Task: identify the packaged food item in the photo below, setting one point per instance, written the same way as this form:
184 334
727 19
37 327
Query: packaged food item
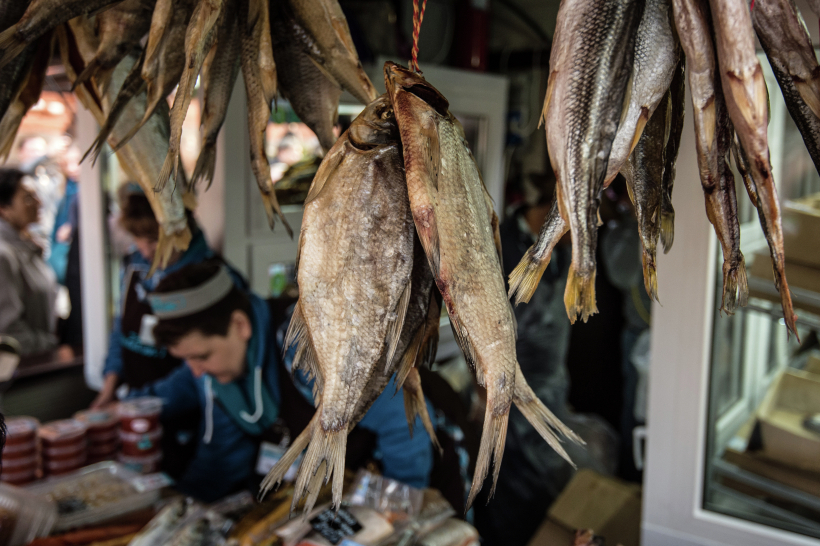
140 444
144 464
19 451
64 466
452 531
326 527
64 433
64 452
140 415
396 500
94 494
104 437
20 431
23 516
14 465
101 423
19 476
108 448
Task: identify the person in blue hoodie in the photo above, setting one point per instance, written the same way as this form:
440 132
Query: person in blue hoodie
134 358
237 378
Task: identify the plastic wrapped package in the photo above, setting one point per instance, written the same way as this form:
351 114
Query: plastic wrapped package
94 494
396 500
184 522
23 516
324 526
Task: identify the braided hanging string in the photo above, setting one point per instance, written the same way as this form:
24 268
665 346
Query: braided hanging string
418 17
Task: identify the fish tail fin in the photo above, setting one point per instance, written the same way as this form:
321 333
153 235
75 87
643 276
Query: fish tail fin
667 227
166 246
493 438
10 44
205 165
277 473
326 446
542 419
735 285
527 274
650 274
89 70
414 404
579 295
742 282
272 210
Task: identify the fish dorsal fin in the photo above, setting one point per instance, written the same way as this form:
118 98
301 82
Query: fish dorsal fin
329 165
395 328
305 358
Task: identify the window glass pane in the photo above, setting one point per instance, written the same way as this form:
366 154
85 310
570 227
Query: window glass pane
763 449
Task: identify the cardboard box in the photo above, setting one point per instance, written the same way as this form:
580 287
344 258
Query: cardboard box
793 396
801 230
608 506
813 365
756 463
801 278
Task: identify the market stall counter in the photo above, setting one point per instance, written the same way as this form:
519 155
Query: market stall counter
106 504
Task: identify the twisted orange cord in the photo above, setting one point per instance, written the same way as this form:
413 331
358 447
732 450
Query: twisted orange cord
418 17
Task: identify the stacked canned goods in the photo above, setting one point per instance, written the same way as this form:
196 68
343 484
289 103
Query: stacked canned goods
21 461
140 434
103 433
65 446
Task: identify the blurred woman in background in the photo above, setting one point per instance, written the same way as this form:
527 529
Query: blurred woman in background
28 286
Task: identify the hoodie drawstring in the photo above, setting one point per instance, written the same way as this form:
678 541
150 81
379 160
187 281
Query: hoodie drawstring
257 394
209 411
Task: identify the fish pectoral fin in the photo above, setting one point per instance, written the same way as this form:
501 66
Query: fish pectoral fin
395 328
329 165
643 118
414 404
667 228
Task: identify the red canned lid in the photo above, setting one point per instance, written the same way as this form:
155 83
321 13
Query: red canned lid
103 436
21 449
20 429
148 406
65 464
98 419
63 431
22 476
65 451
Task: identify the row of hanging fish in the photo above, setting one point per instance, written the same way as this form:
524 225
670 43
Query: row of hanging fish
615 103
126 57
398 222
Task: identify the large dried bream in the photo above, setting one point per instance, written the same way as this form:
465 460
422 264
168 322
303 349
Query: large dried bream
456 227
787 44
355 261
747 101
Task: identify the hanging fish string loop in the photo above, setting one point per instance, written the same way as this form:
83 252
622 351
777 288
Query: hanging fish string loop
418 17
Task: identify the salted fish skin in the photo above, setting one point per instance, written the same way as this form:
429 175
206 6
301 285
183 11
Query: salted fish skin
327 40
582 113
784 37
120 29
785 13
656 56
454 221
40 17
141 157
747 101
218 87
312 94
644 178
677 97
